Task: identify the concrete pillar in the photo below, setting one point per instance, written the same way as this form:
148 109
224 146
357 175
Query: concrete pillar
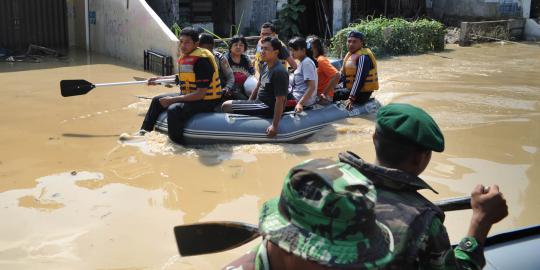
526 8
464 35
346 12
341 14
70 10
337 21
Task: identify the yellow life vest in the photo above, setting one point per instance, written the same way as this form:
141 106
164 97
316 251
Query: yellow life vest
258 60
350 66
187 78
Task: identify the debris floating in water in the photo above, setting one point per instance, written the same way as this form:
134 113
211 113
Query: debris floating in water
124 136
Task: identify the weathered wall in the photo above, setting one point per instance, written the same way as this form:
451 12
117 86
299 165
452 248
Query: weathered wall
168 10
243 7
262 11
441 9
124 29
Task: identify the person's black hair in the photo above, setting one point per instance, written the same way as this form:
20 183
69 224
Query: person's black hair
190 32
298 43
269 25
357 34
274 41
315 40
392 150
205 38
236 39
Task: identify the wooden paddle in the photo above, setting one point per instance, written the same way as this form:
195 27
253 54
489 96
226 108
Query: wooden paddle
70 88
210 237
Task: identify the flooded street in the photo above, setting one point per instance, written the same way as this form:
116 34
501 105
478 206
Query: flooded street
75 196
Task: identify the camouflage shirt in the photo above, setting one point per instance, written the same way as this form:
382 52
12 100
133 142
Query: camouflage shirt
421 241
420 238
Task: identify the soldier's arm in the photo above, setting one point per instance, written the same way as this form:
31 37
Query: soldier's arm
467 255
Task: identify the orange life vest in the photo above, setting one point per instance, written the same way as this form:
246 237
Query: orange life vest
187 77
350 67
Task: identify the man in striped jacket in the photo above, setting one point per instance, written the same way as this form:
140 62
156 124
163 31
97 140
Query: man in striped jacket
359 71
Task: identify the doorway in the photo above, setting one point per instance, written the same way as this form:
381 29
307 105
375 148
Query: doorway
39 22
535 9
317 18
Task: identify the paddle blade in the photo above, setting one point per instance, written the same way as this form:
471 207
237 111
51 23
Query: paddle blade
70 88
209 237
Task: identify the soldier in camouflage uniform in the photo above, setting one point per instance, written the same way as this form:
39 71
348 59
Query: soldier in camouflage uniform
324 219
404 139
301 235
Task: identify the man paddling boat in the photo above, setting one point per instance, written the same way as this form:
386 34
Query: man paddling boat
330 216
404 139
200 88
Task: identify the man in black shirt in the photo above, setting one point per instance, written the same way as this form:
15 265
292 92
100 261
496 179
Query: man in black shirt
200 88
269 30
269 98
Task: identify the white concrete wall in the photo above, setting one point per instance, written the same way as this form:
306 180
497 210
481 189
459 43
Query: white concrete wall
125 28
532 30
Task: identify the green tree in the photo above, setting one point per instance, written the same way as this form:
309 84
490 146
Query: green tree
288 19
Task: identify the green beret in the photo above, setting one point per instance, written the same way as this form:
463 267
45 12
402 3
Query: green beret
410 123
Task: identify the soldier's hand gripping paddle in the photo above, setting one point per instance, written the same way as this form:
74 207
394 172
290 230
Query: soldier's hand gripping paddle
210 237
70 88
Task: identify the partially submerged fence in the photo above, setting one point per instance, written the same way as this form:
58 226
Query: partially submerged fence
511 29
158 63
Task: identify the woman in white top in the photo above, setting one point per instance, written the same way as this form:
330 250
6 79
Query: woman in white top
303 83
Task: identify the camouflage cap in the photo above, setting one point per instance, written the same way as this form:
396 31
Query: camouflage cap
410 123
326 214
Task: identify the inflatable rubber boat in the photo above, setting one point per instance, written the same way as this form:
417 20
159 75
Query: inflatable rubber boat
516 249
212 128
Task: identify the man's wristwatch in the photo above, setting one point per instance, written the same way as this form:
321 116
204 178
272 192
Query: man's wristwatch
468 244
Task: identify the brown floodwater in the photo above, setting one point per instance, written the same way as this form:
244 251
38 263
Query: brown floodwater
75 196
